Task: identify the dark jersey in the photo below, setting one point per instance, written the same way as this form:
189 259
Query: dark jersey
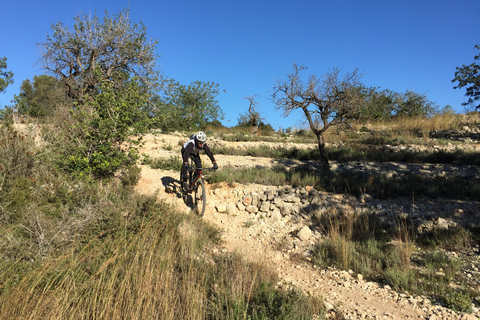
190 148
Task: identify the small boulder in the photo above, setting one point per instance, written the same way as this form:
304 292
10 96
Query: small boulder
305 233
231 210
276 215
240 206
221 207
265 206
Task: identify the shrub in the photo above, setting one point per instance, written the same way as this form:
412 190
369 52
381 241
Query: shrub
173 163
106 131
453 239
130 175
459 301
17 170
17 153
400 280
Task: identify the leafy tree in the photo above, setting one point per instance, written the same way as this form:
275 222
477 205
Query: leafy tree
187 107
469 77
447 110
39 99
6 77
107 68
386 104
377 104
104 135
97 51
216 124
412 104
326 102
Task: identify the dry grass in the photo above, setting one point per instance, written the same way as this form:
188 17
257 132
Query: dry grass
421 127
156 267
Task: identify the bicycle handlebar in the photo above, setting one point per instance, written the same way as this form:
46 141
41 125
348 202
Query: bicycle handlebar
205 169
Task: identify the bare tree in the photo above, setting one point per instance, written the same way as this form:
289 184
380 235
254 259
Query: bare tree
327 101
252 116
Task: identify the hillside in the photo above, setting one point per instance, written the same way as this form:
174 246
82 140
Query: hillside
285 241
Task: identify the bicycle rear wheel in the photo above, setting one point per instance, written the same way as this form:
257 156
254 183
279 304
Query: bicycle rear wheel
200 200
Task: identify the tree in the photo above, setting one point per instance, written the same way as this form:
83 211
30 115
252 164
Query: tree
97 51
326 102
103 136
387 104
187 107
252 117
447 111
469 77
376 104
6 77
107 68
412 104
39 99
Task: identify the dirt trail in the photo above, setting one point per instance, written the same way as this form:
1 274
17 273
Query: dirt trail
352 297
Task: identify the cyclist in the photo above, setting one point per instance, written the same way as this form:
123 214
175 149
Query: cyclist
192 148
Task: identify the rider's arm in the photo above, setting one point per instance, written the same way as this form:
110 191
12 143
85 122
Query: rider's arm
209 153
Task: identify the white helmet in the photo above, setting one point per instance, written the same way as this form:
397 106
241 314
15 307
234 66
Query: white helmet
201 136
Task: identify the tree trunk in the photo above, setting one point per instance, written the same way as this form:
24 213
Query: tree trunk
323 152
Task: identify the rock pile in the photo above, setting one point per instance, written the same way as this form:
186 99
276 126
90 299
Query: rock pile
302 203
277 203
467 133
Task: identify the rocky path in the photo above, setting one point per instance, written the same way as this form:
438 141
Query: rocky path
260 239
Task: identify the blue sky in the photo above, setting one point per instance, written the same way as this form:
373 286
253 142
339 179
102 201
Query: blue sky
246 45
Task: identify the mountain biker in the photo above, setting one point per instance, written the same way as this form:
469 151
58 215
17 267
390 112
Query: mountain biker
192 148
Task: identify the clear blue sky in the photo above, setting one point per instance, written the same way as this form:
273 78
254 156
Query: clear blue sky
246 45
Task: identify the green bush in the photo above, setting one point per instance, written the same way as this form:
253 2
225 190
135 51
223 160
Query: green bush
459 301
400 280
436 260
453 239
271 303
130 176
173 163
106 131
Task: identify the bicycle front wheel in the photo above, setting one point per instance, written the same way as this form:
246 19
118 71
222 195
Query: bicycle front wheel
200 200
182 191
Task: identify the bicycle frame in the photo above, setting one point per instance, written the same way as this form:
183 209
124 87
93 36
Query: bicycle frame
192 177
197 186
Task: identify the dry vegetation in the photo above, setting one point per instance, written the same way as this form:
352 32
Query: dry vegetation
76 248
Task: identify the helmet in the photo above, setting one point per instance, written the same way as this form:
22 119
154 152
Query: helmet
201 136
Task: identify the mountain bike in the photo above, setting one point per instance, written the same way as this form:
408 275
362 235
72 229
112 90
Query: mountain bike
196 186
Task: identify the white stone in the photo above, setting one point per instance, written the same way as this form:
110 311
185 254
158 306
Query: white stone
221 207
276 215
265 207
231 210
304 234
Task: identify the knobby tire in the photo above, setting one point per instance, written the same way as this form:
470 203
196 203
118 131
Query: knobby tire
200 200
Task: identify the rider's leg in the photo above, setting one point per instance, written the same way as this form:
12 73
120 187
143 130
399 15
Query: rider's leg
198 163
184 175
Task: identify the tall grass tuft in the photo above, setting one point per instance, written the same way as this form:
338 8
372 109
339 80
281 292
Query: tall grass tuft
359 242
